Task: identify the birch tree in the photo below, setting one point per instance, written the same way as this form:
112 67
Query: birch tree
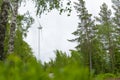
12 6
13 25
3 23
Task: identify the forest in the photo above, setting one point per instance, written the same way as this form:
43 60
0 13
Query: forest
96 55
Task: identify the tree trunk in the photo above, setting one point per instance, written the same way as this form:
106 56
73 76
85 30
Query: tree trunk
3 23
13 26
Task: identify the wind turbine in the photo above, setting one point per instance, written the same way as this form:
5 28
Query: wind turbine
39 29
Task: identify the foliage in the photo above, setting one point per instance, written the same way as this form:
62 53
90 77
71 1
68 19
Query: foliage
97 51
98 43
14 68
12 8
106 36
72 72
24 22
116 21
48 5
85 36
68 67
106 76
21 47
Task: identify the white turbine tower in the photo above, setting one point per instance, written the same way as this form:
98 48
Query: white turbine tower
39 29
116 2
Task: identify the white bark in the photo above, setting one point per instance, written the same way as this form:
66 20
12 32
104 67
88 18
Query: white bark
3 24
13 25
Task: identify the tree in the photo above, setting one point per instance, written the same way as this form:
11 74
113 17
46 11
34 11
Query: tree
84 33
13 26
67 67
12 5
106 34
3 23
116 21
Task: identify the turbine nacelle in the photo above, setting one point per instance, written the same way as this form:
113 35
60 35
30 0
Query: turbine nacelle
40 27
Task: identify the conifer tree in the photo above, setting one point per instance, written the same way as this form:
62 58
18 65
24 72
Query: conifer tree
84 33
106 35
116 21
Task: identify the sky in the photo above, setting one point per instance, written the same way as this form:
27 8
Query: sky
56 29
